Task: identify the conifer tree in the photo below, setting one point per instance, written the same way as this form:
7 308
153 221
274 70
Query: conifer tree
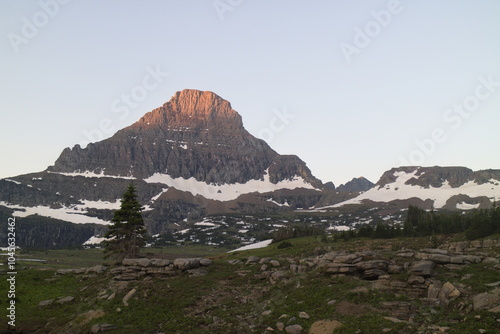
127 233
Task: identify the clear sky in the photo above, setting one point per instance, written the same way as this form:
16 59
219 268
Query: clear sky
353 88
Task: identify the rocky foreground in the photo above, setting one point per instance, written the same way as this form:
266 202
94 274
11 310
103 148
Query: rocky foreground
309 287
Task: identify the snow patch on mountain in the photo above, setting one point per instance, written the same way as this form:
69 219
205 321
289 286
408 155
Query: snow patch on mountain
227 192
399 190
92 174
75 214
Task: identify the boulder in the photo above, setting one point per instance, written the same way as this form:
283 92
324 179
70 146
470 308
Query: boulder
186 264
294 329
205 262
325 327
253 259
96 269
340 268
484 300
422 268
65 300
144 262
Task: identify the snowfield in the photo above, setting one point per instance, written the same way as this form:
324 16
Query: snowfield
226 192
398 190
257 245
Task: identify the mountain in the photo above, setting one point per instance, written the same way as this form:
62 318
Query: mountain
188 158
451 188
357 184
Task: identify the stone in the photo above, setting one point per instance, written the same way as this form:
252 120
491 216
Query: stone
45 302
373 274
340 268
280 326
490 260
205 262
253 259
434 251
278 276
439 258
394 269
434 289
275 263
128 296
349 258
484 300
422 268
99 269
304 315
266 313
65 300
293 329
185 264
197 272
130 262
264 260
325 327
416 280
144 262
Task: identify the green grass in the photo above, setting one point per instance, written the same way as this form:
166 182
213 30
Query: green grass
231 298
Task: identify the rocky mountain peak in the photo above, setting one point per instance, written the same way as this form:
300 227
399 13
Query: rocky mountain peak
192 107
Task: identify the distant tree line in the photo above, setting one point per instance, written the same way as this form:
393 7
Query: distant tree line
419 223
296 231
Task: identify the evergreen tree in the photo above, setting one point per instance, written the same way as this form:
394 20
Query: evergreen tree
127 233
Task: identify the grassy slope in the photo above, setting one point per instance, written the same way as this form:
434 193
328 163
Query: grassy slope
231 298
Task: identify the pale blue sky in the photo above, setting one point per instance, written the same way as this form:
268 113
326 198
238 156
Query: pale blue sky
354 113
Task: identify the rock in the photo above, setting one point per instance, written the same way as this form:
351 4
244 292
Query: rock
439 258
264 260
422 268
278 276
340 268
99 328
96 269
373 274
293 329
349 258
484 300
325 327
253 259
130 262
304 315
205 262
185 264
471 258
65 300
280 326
496 309
416 280
434 289
395 320
234 261
394 269
491 260
434 251
331 302
112 296
197 272
264 267
266 313
45 302
144 262
275 263
128 296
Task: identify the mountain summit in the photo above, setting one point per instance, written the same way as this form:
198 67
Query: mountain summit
194 135
190 157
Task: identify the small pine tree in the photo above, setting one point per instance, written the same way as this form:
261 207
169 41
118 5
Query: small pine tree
127 233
